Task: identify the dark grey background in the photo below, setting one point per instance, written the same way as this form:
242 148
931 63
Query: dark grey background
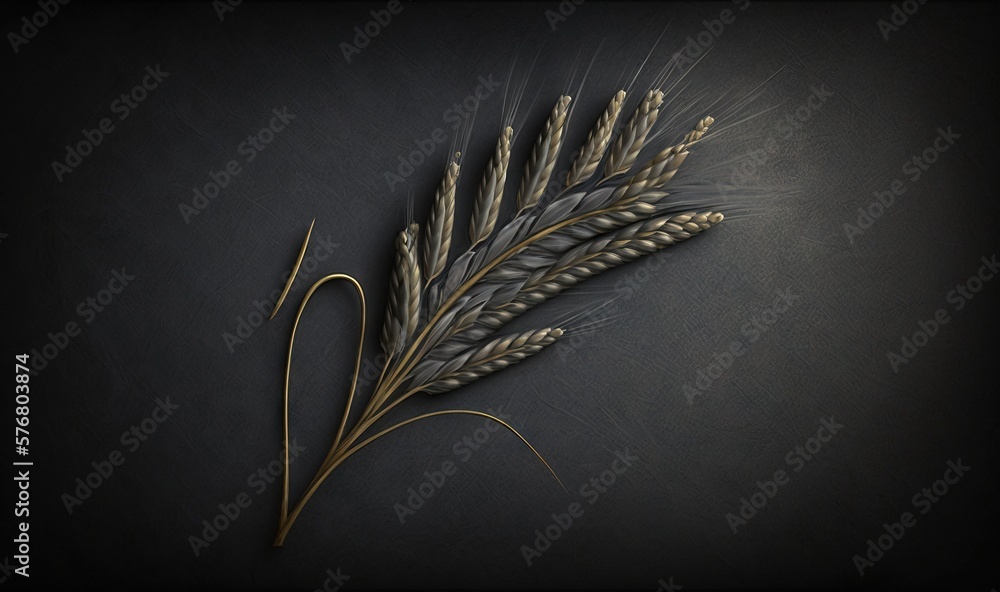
616 388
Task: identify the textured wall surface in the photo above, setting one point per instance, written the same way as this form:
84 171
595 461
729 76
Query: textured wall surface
821 112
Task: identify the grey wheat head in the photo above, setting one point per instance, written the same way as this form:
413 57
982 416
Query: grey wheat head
486 208
538 169
440 224
593 149
633 136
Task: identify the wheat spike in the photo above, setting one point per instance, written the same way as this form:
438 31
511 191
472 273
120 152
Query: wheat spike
496 355
593 149
403 310
594 257
662 167
487 205
413 285
440 223
633 137
393 324
538 169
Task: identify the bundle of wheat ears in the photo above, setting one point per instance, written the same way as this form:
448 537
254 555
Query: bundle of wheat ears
438 332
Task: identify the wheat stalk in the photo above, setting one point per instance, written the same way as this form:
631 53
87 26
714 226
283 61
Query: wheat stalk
437 325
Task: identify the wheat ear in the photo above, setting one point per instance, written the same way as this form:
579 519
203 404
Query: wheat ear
593 149
633 136
440 223
412 282
607 252
403 311
496 355
592 258
662 167
538 169
486 208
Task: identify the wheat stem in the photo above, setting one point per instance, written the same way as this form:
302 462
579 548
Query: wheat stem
286 524
288 371
295 271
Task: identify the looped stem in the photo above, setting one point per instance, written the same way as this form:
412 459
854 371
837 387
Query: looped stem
288 371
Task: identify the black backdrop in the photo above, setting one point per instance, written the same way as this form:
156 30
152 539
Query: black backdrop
650 380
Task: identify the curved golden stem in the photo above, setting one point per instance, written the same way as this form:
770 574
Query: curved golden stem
295 272
287 525
288 371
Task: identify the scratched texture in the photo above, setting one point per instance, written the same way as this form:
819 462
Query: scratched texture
620 388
